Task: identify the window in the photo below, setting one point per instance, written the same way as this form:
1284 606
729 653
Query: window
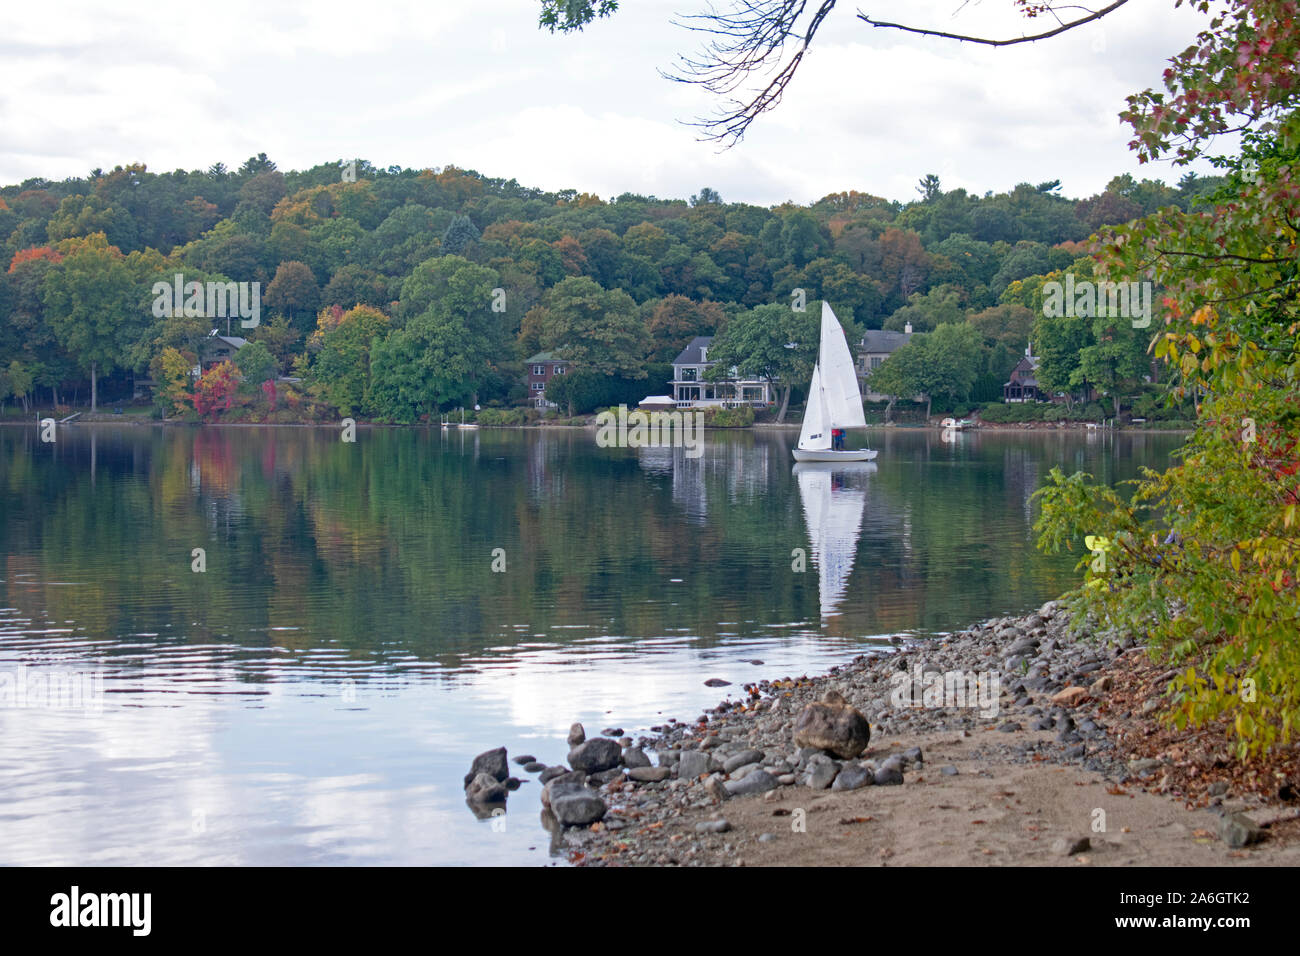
704 353
877 361
688 375
539 386
539 369
559 370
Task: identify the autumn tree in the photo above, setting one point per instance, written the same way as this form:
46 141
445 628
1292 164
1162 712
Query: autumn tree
293 291
94 305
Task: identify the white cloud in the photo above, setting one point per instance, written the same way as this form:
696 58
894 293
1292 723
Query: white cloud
478 85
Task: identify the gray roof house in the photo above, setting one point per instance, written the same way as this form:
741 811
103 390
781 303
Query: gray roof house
692 390
877 345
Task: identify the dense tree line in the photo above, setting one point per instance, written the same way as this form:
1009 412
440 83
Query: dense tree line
396 293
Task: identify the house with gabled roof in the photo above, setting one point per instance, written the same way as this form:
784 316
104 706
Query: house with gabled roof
1023 386
691 389
876 346
215 349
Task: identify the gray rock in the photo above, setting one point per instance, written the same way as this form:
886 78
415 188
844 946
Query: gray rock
822 771
525 758
597 754
716 788
833 725
633 758
1142 767
612 732
534 767
1238 830
948 771
577 809
888 777
694 763
759 781
712 826
485 788
491 762
649 774
740 773
606 776
853 776
1219 788
1068 846
738 760
574 781
1010 727
550 773
576 735
894 761
767 838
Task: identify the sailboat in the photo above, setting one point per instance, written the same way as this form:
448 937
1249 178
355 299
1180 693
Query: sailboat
834 400
833 506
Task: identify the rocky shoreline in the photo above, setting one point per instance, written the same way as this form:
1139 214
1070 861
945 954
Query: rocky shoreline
1011 699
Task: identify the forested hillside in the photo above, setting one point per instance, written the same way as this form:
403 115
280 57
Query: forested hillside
394 293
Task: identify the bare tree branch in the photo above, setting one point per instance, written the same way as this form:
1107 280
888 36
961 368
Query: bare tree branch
747 63
987 42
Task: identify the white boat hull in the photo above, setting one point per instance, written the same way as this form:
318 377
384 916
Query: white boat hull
861 454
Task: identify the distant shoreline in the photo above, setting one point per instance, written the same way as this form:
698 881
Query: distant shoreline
135 421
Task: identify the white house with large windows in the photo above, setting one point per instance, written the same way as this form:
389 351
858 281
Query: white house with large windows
692 390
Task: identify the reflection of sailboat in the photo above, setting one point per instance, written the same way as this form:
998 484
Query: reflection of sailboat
833 509
834 400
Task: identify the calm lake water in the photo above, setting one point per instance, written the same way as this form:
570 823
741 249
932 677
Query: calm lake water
316 694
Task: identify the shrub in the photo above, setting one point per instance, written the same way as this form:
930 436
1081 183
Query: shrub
502 416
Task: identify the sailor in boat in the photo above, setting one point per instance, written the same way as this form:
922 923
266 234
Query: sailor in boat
837 439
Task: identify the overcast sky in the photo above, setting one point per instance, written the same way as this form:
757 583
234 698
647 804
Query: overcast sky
474 83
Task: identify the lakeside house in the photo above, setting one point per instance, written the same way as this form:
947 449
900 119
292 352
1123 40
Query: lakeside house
1023 386
692 390
541 368
876 346
216 349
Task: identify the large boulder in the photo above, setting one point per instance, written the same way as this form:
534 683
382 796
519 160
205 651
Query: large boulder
491 762
597 754
833 725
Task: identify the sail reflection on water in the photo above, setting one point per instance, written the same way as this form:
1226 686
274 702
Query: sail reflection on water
834 500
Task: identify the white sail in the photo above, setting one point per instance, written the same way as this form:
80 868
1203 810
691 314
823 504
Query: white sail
839 378
833 511
815 435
